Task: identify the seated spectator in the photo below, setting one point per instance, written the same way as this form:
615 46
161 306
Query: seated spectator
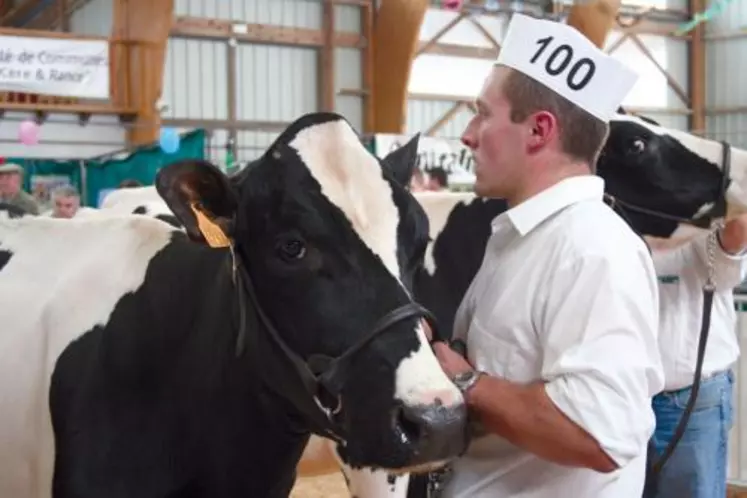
66 203
438 179
11 191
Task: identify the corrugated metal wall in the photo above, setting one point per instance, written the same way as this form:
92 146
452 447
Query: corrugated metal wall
94 18
440 75
726 75
61 135
273 83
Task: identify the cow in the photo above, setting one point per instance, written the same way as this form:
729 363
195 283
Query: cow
143 200
644 165
140 360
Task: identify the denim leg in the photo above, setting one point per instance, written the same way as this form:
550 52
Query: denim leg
697 468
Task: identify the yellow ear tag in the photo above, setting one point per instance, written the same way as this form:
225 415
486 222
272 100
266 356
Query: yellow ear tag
213 234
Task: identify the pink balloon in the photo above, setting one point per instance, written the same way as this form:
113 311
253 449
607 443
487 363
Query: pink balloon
28 132
452 4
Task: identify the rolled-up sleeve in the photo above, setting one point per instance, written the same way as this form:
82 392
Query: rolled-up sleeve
598 324
728 269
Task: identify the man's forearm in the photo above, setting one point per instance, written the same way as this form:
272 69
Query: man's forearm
525 416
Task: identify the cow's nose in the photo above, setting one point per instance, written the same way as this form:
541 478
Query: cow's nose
435 431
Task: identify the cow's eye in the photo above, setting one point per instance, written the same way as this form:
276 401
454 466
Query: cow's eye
637 146
291 249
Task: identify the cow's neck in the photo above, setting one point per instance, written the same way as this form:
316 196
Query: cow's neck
252 445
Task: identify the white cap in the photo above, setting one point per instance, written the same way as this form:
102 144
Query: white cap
564 60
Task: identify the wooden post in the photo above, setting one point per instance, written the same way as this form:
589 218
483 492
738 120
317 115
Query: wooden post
326 66
396 36
697 71
148 23
369 102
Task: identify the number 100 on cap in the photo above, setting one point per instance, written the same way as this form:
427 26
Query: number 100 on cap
564 60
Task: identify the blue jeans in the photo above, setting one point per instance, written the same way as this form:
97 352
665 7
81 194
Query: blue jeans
697 468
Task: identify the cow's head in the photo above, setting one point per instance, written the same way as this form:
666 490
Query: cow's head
331 239
666 170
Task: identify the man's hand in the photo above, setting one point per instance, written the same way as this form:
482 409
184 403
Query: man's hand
734 235
451 362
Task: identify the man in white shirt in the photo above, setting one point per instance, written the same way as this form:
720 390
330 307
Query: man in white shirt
561 320
697 467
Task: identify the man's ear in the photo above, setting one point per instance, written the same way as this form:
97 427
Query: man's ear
201 198
401 163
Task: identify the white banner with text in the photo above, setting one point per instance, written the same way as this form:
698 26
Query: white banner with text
55 66
434 152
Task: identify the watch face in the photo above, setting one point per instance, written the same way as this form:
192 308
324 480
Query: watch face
463 377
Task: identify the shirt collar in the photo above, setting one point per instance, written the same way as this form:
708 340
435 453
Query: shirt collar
530 213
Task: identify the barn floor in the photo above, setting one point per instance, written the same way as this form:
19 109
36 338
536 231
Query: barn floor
330 486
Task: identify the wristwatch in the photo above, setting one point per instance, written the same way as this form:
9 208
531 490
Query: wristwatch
465 380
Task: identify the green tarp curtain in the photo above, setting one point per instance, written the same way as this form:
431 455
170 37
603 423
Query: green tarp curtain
102 174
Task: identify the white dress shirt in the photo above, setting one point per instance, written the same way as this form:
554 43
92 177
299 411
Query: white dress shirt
566 294
682 273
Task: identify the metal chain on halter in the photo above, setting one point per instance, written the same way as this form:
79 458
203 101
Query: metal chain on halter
716 225
709 287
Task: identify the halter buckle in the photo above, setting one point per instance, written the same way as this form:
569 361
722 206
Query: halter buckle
327 411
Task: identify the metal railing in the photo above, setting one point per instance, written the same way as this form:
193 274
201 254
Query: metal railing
737 463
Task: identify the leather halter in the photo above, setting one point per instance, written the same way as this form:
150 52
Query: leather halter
317 374
718 210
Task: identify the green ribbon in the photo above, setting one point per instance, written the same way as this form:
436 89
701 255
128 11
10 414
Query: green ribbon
715 9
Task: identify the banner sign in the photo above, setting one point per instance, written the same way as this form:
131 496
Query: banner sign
55 66
449 154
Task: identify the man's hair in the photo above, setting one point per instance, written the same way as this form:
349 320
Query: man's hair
130 183
64 191
582 135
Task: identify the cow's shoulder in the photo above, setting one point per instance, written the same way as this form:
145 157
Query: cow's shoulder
72 273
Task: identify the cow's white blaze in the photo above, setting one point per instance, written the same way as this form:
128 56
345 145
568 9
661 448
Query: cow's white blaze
710 150
350 178
439 206
64 277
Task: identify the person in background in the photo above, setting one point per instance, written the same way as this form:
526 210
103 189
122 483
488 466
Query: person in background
129 183
11 191
417 181
697 467
66 203
438 179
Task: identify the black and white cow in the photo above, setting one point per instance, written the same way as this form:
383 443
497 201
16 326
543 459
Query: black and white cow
119 334
642 163
669 171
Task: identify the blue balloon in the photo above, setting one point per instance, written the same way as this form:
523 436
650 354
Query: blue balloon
169 140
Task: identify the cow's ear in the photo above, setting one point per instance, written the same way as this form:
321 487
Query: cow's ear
201 198
402 162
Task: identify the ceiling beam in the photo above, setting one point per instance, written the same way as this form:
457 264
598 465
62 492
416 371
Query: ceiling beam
195 27
396 42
